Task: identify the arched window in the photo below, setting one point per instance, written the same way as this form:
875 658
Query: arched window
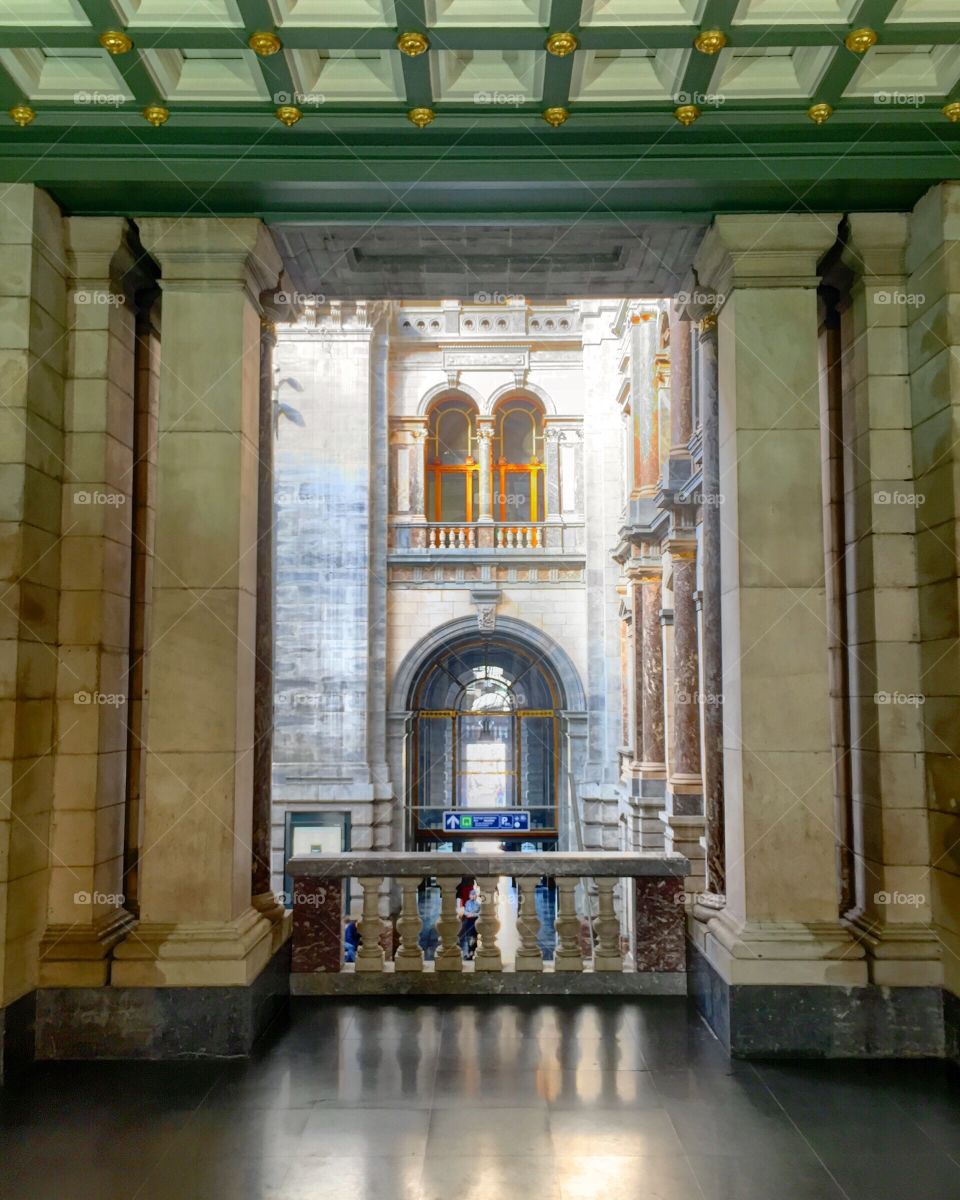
518 461
452 471
486 738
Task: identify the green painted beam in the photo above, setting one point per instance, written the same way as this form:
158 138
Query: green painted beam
844 64
412 18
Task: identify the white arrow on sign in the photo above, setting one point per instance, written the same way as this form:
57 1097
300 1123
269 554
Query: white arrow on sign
452 821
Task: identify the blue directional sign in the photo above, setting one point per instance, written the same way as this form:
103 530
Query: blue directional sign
475 821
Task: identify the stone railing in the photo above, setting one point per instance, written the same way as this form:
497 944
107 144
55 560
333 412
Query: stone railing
617 918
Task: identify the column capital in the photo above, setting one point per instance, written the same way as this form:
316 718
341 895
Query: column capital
764 251
209 254
875 246
91 243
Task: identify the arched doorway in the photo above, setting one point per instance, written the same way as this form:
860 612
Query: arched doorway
492 739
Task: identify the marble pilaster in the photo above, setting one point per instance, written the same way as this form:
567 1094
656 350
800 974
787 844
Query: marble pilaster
202 929
781 922
86 908
712 643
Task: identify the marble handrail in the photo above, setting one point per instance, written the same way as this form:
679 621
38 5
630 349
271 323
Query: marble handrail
613 864
648 884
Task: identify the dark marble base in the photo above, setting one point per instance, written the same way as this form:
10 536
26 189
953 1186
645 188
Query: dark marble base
787 1021
660 924
951 1026
161 1023
318 924
472 984
17 1023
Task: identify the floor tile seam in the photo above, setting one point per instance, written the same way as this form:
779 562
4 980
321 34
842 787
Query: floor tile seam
836 1182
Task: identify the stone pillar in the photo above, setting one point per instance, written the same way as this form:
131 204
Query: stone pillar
780 924
711 648
86 914
551 440
408 495
262 895
485 456
33 362
681 398
883 655
684 808
197 925
933 315
652 754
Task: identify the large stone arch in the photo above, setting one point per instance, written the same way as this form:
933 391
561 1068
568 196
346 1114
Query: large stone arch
552 654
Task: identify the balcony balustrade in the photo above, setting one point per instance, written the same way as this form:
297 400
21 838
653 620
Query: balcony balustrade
618 925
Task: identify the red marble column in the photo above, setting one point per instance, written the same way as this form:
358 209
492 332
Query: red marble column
652 680
681 392
317 925
685 759
712 649
660 924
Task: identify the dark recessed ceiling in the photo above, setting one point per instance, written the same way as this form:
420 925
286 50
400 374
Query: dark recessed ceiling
540 262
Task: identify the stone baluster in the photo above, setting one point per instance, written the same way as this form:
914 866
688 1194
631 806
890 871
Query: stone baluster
529 956
569 956
370 954
607 955
409 956
488 926
448 957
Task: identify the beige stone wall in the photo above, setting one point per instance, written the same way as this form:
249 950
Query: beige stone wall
414 612
33 352
933 263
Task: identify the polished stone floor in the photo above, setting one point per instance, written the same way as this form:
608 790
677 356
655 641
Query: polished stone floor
484 1101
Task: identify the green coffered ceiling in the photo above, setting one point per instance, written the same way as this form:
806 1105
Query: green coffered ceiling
488 78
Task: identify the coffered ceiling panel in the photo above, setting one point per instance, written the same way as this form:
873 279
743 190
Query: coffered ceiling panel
333 13
141 14
492 13
641 12
771 71
622 75
85 77
42 12
794 12
331 75
487 76
897 74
